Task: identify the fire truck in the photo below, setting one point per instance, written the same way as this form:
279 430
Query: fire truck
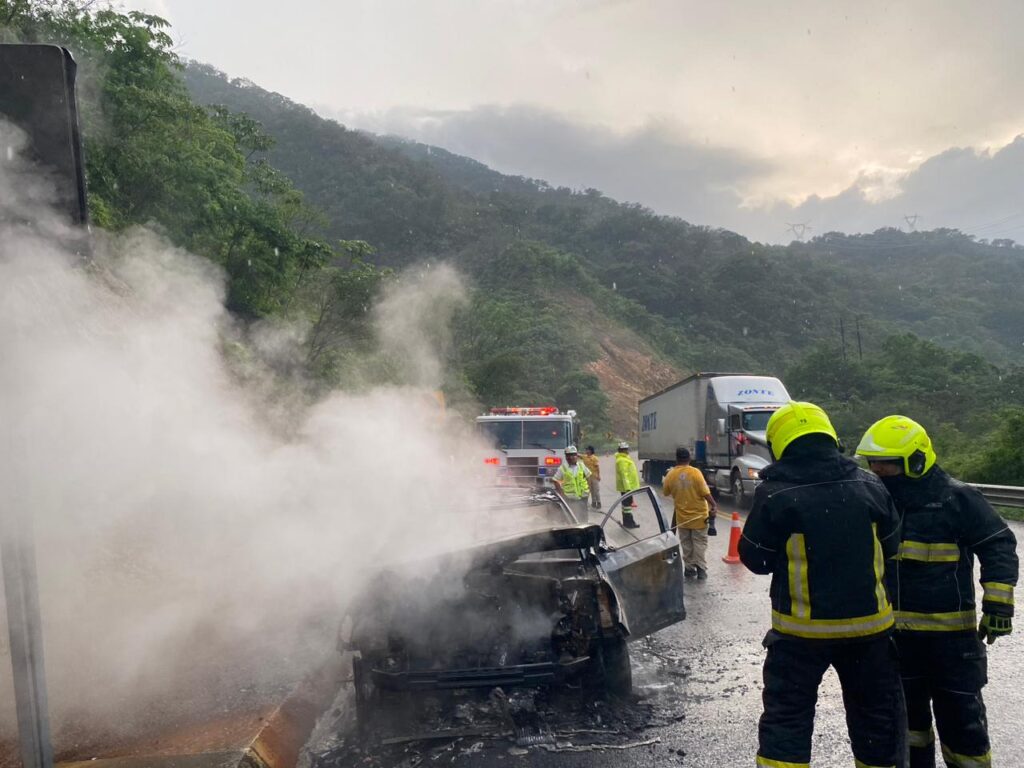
526 445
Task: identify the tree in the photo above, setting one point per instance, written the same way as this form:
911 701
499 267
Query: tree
154 156
337 302
1000 460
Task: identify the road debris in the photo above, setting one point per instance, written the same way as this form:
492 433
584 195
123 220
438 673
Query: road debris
451 734
484 726
469 726
599 747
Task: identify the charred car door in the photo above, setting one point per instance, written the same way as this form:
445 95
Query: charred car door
644 568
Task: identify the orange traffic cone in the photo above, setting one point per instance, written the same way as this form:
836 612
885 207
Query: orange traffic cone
734 540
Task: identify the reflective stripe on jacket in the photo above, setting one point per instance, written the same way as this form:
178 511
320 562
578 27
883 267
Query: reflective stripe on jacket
626 477
945 524
823 528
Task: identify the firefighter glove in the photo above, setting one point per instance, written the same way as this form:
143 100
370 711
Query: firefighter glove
993 626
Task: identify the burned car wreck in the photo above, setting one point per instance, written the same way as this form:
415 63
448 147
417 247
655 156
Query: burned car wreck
552 605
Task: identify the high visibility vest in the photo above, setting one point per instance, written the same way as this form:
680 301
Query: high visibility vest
574 483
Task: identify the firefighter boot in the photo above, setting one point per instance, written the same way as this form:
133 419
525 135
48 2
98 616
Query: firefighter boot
872 695
627 519
920 733
945 674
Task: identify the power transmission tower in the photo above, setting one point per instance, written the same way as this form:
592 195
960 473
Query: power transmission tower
800 230
911 221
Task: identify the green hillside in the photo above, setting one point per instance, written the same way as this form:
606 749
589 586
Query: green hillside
708 284
703 299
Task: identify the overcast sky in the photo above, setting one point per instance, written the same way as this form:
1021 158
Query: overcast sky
751 115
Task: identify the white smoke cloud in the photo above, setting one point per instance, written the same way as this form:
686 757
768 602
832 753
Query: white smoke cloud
413 317
187 552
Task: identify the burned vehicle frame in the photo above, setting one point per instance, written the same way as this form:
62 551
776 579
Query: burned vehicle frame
549 606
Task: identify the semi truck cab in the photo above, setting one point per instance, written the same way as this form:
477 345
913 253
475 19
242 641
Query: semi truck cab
721 418
743 433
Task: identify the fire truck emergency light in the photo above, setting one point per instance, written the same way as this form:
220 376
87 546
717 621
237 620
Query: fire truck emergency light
516 410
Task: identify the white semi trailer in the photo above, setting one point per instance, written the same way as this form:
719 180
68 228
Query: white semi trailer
721 418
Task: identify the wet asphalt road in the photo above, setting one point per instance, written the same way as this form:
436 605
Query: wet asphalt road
698 686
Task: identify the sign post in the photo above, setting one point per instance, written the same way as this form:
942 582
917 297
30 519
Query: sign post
24 625
37 95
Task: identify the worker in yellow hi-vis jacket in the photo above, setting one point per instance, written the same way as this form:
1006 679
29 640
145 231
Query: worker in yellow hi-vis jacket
573 481
626 479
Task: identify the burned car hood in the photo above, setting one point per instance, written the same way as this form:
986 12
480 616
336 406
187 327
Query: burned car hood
519 599
510 548
445 572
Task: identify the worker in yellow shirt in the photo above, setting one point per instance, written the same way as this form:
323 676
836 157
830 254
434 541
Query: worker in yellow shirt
694 513
593 463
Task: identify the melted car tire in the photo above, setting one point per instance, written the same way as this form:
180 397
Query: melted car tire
614 668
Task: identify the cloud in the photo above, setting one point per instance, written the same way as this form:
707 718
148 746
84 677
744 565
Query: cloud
651 165
825 92
976 190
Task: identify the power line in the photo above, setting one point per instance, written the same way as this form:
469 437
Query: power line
998 222
852 242
989 230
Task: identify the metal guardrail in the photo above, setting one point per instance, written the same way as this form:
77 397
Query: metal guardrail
1003 495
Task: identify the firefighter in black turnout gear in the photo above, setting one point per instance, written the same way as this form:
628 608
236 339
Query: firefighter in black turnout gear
945 524
823 528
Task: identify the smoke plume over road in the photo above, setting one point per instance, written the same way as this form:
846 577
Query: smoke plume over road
189 555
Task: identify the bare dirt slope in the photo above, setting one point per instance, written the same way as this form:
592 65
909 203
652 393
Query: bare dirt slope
628 370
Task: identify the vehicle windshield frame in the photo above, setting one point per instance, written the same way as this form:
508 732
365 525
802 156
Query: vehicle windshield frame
491 430
534 428
763 417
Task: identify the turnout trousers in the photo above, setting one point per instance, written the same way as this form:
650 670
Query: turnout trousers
869 674
944 672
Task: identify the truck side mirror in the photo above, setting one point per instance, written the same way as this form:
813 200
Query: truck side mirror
721 427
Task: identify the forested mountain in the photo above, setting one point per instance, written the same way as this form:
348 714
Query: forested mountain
831 315
575 298
736 303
